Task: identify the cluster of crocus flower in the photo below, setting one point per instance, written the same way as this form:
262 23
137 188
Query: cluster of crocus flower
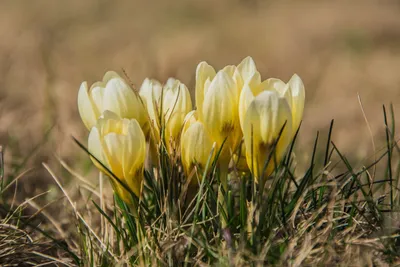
235 111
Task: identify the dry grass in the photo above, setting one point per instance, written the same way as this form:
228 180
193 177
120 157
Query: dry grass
19 248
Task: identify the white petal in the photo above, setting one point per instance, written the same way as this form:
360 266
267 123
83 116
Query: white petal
230 70
134 148
298 99
171 82
274 84
113 148
247 68
96 148
151 91
176 104
118 97
85 107
204 72
97 96
246 97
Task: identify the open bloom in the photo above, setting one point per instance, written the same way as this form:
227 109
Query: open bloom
120 145
217 100
112 94
173 100
266 116
196 145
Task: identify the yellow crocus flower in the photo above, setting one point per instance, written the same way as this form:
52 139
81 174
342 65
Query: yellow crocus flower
293 91
120 145
265 117
217 100
113 94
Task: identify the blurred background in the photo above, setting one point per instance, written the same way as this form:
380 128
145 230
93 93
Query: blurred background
47 48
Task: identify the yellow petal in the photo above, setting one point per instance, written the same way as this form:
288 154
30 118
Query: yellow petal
254 80
109 122
134 154
95 147
113 150
298 99
220 110
204 72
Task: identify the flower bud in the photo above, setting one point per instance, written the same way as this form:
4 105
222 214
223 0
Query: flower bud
151 91
120 145
176 103
265 117
293 91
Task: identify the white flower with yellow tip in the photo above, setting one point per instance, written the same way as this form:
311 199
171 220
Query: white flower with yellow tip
120 145
112 94
266 116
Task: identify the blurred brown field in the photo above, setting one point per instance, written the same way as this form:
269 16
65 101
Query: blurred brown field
339 48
